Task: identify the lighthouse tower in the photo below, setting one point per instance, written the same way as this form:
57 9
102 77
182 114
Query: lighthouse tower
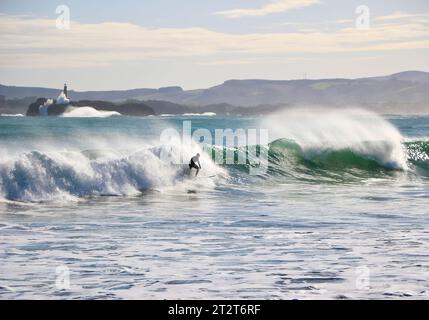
65 90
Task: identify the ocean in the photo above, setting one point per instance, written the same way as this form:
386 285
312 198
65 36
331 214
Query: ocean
100 208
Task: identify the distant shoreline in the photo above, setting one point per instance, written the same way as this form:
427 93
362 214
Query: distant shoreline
400 93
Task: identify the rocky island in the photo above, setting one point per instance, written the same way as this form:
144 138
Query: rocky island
63 106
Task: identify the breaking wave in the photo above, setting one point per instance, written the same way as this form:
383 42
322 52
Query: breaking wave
57 176
334 145
290 159
88 112
323 131
11 115
316 147
68 175
204 114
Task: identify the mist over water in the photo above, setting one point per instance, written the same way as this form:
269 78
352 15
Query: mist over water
88 112
321 130
114 165
344 191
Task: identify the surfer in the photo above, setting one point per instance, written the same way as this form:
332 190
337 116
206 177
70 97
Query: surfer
195 163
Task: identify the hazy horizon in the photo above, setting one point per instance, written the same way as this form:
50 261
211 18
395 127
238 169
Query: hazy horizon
71 88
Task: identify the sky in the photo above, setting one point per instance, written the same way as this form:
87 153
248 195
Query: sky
199 43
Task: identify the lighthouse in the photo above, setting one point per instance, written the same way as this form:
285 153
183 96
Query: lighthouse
65 90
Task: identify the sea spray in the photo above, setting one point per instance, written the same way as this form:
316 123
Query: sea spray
43 109
87 112
319 131
67 175
59 159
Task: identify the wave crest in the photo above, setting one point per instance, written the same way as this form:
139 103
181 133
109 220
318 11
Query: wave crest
51 176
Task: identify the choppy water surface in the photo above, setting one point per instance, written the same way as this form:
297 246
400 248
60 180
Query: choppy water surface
332 218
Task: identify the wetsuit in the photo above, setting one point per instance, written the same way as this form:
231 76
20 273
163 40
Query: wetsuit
192 164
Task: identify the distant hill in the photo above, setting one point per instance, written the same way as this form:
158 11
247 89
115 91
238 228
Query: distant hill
400 92
13 92
412 76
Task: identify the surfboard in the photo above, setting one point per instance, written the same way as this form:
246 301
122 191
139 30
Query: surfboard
207 177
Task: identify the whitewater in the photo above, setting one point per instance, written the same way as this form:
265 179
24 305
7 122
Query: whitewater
340 212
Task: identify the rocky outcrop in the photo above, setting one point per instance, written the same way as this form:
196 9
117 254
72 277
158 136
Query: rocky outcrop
33 109
52 109
55 109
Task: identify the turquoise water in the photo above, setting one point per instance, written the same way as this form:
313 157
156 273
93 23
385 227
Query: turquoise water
340 212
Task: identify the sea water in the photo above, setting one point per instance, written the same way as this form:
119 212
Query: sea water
90 210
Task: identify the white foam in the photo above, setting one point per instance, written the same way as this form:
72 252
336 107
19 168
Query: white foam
324 129
205 114
68 175
43 109
62 99
88 112
12 115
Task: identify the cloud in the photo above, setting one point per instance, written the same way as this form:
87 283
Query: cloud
36 43
273 7
401 15
253 61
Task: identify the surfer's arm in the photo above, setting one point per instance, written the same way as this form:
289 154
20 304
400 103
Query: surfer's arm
199 164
